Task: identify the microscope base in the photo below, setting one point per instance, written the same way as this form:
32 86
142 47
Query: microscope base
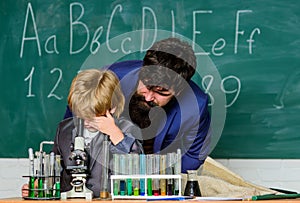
85 193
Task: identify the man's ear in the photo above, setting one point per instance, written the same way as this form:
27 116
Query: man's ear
177 93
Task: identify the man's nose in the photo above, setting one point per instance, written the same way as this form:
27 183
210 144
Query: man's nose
149 95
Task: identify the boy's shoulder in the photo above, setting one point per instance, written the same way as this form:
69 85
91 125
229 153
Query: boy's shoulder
127 126
124 122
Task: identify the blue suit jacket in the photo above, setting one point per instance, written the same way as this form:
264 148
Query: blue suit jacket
187 120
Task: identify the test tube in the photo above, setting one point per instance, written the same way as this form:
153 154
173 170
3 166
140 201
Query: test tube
123 172
46 186
57 167
104 173
177 171
142 172
129 172
169 171
116 165
40 174
155 184
163 172
31 162
149 172
51 172
136 170
31 173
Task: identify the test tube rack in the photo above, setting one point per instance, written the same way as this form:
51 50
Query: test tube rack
43 193
145 177
44 175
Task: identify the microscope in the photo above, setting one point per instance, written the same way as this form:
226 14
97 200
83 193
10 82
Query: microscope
79 170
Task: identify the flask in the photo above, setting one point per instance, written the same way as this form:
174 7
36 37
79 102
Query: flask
192 186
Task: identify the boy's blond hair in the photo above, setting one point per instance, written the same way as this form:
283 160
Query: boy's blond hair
93 92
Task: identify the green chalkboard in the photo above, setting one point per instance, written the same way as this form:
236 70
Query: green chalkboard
247 52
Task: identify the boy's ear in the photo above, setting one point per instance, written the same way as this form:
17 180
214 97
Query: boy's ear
112 111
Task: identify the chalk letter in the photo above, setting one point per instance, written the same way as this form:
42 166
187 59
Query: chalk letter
250 40
122 45
109 27
36 37
195 32
237 32
214 48
77 22
96 36
143 28
173 23
53 37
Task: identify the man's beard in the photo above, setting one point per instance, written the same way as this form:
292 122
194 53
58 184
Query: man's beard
139 110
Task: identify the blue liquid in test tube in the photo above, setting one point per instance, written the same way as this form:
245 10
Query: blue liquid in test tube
142 172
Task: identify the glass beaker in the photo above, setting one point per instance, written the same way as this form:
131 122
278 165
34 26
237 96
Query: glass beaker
192 186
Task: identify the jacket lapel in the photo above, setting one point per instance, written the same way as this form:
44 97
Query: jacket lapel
96 149
163 131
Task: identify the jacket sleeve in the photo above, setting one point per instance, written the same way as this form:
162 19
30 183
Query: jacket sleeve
131 141
68 112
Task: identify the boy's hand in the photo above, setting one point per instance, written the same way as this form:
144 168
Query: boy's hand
106 124
25 190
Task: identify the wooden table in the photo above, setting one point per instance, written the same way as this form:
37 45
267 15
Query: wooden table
21 200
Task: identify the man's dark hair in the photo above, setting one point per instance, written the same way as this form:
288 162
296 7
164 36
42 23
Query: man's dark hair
167 56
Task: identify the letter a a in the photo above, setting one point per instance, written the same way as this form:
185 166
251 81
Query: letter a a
36 37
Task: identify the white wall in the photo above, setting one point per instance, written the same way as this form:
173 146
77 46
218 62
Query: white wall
11 172
276 173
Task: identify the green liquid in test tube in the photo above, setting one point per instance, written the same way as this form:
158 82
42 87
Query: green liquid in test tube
41 174
31 173
136 171
52 175
31 186
57 167
41 187
116 169
57 190
129 172
149 172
